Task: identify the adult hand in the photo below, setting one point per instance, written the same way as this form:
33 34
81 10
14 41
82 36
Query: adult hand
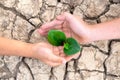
71 25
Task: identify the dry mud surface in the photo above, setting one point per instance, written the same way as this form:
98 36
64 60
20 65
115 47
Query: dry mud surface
19 20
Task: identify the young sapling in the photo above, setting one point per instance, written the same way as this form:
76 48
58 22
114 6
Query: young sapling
58 38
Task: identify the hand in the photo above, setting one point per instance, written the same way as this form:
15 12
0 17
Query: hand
70 25
49 54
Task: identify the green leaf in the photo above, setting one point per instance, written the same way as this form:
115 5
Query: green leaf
72 48
66 46
56 37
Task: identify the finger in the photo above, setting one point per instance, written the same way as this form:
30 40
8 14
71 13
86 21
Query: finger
66 29
68 58
56 59
53 64
56 50
62 54
61 51
67 32
65 16
43 33
60 17
68 17
58 27
51 25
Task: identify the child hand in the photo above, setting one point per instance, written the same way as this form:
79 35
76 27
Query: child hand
49 54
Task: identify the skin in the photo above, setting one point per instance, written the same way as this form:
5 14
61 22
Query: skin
81 31
39 51
72 26
43 51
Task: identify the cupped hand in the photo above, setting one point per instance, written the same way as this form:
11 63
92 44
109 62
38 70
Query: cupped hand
49 54
71 25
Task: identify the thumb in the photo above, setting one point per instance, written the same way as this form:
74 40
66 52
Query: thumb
65 16
72 18
69 17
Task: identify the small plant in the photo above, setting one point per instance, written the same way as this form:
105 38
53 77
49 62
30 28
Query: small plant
58 38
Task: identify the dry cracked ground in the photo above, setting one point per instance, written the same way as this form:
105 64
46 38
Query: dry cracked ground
19 20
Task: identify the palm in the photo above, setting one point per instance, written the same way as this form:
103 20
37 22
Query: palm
65 27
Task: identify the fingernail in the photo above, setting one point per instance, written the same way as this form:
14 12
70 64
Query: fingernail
64 61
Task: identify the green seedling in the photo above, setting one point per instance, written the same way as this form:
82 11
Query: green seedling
58 38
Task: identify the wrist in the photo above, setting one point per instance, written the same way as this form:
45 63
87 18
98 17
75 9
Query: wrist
94 33
87 35
90 33
36 50
28 50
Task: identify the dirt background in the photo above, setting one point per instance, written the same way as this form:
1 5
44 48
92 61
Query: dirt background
19 20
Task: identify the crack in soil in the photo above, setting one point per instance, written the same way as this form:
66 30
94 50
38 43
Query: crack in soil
72 7
16 12
98 16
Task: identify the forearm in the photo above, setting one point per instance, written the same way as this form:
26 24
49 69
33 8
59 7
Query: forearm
106 30
15 48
